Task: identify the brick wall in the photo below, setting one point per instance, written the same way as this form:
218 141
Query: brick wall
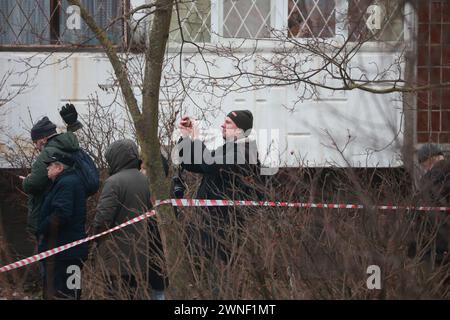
433 67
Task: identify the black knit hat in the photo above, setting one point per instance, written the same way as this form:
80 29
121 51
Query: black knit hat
242 118
427 151
58 157
43 128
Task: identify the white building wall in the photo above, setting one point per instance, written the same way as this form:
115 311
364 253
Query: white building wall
372 121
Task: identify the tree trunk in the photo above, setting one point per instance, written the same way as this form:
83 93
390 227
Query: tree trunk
146 123
151 148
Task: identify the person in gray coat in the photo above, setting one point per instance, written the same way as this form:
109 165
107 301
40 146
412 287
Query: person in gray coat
131 256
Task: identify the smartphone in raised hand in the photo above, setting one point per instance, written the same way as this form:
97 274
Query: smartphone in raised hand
186 122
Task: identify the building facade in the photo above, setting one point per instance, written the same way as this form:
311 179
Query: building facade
51 58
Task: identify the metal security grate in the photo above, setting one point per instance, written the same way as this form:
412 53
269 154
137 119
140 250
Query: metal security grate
43 22
379 20
246 18
311 18
195 20
106 14
25 22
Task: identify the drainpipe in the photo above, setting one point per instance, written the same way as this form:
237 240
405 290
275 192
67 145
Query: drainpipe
409 98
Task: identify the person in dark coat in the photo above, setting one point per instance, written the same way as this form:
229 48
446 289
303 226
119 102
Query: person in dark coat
435 182
229 172
62 220
47 141
131 255
435 191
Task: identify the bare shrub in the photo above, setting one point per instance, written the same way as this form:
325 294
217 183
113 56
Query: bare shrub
313 253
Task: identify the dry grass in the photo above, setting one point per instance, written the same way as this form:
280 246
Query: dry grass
293 253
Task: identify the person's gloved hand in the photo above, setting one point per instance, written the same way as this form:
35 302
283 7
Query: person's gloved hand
70 116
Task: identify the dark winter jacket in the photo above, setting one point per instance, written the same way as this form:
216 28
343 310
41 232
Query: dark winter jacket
435 184
435 191
229 172
126 195
38 183
63 216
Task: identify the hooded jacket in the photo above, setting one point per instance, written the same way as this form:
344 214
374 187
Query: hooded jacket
126 195
37 183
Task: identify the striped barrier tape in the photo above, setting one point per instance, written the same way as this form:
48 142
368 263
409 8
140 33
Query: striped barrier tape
209 203
204 203
51 252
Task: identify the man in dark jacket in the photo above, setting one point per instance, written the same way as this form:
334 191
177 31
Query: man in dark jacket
435 191
229 172
435 182
132 255
47 141
62 220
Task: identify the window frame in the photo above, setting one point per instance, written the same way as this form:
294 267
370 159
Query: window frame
54 23
279 21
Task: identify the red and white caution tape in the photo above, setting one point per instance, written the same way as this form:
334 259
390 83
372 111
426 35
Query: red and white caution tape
51 252
211 203
205 203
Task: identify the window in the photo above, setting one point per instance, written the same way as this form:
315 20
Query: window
371 20
25 22
195 19
375 20
106 14
43 22
246 19
311 18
